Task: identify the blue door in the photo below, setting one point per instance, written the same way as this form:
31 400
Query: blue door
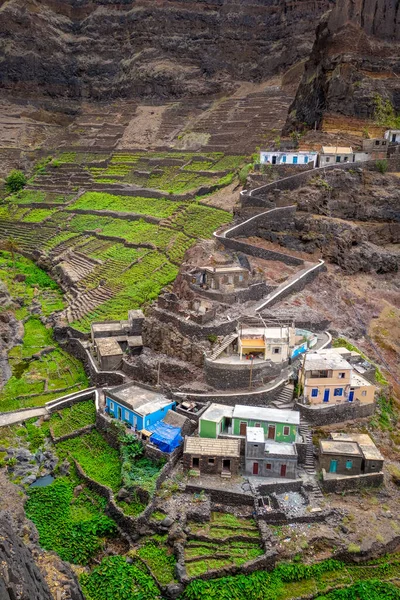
326 396
295 160
333 466
351 395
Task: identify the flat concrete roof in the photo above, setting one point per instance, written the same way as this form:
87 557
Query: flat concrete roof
215 412
135 341
108 347
211 447
260 413
368 448
324 360
110 326
336 447
142 401
267 332
226 269
337 150
255 434
357 380
278 448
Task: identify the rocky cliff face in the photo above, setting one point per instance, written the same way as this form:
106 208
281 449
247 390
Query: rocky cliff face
355 57
100 49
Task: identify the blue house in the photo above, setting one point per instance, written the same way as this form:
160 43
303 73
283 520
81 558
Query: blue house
137 406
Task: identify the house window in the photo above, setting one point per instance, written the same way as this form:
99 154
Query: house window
240 277
314 392
286 430
363 393
127 414
276 350
230 279
349 464
346 159
342 375
305 160
376 142
338 392
284 158
111 405
211 461
328 159
338 159
373 466
257 424
319 374
148 422
268 466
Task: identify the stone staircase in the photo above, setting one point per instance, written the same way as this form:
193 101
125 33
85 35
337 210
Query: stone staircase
223 345
313 489
285 399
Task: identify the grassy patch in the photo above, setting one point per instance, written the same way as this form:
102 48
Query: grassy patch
160 560
146 206
72 418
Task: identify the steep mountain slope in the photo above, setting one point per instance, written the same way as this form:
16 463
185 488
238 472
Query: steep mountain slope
104 49
354 59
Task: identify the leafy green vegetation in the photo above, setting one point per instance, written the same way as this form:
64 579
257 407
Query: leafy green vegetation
72 418
98 460
15 181
155 207
159 559
343 343
369 590
117 580
385 115
74 527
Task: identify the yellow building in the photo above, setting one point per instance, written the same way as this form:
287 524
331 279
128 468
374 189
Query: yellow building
326 377
268 343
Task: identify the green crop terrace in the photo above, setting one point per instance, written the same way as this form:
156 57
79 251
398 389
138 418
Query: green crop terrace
132 258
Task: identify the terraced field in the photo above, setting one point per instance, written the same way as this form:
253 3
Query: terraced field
114 249
223 542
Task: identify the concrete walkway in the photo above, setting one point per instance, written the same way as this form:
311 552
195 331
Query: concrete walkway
18 417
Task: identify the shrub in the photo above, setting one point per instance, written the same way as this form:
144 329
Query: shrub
382 166
15 181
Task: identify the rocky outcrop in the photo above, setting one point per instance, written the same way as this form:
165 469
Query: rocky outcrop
19 575
354 59
111 48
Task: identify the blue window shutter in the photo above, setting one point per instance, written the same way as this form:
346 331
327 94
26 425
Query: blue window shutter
284 158
314 392
349 464
338 392
305 160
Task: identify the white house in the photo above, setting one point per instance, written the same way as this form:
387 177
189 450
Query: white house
335 154
393 135
272 157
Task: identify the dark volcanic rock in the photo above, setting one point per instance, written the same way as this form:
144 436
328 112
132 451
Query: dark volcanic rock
19 575
125 48
355 57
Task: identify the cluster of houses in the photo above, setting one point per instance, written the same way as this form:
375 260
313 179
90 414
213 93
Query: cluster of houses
258 441
372 149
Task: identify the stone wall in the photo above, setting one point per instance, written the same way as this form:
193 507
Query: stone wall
254 292
250 227
249 398
72 435
221 496
337 413
222 376
97 377
351 482
189 329
258 252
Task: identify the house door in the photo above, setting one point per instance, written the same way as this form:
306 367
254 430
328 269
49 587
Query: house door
283 470
351 396
119 413
274 160
271 432
394 138
326 396
243 429
295 160
195 462
255 468
226 464
333 466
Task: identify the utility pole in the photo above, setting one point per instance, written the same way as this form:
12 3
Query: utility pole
251 372
158 373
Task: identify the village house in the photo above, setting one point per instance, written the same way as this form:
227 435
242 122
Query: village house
348 455
266 458
277 425
273 157
376 148
393 136
138 407
112 339
326 377
212 456
223 279
335 154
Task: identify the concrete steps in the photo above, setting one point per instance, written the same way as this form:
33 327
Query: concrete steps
285 399
223 345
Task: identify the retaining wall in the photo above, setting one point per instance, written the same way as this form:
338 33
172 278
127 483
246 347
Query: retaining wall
189 329
72 435
258 252
254 292
351 482
223 376
221 496
69 400
337 413
97 377
246 397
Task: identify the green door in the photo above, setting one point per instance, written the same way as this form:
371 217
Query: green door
333 466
